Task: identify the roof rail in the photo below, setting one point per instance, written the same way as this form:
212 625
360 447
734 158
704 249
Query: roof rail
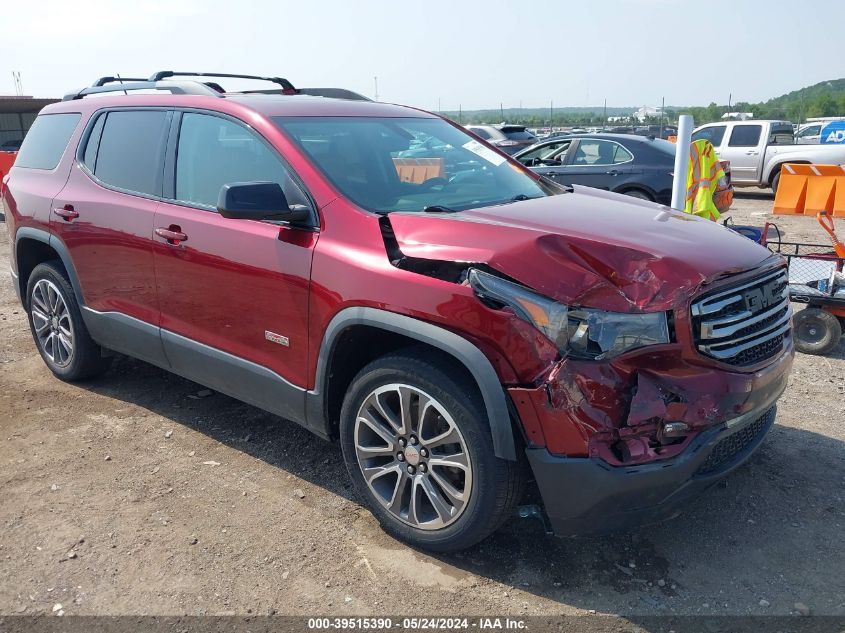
102 81
175 87
164 74
329 93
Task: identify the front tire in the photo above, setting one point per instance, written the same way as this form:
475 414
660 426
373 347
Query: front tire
57 326
418 447
816 331
775 183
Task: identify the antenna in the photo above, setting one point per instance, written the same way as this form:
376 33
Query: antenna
16 78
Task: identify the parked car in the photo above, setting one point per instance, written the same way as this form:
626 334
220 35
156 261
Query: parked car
508 138
657 131
808 133
11 145
447 332
637 166
758 149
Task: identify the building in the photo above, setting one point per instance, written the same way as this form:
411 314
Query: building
738 116
645 113
17 114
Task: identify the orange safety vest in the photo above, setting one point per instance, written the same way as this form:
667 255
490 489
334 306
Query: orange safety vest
703 176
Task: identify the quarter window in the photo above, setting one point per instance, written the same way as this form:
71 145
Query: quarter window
213 152
46 141
745 136
130 150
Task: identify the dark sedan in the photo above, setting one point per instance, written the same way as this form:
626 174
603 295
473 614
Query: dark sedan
639 166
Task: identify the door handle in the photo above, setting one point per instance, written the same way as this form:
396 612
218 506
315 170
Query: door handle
66 212
752 152
172 234
613 172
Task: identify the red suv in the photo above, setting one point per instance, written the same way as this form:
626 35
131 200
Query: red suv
458 324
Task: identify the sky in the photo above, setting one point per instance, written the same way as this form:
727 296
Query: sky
438 54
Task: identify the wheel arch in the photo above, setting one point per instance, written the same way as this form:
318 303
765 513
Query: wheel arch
35 246
776 169
624 189
397 331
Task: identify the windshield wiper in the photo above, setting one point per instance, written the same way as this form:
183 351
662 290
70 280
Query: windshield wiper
438 208
521 196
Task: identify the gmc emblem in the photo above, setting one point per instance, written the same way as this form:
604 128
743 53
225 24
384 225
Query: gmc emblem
760 298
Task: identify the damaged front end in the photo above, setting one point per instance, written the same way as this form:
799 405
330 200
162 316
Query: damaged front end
626 409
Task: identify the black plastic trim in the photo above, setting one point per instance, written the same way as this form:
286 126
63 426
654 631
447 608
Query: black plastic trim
234 376
583 496
457 346
57 245
127 335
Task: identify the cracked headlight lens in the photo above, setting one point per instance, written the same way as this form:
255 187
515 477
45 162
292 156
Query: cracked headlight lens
583 332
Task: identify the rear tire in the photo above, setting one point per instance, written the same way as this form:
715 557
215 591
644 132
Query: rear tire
638 193
775 183
57 326
816 331
405 416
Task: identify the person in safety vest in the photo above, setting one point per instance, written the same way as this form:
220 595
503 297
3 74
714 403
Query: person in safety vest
703 180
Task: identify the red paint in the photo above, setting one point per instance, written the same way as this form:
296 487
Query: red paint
231 280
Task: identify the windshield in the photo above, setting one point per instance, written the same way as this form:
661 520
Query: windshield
408 164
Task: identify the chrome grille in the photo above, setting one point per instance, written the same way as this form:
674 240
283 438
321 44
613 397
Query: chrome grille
744 324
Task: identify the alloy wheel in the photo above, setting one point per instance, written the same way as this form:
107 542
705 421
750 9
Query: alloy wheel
52 324
413 456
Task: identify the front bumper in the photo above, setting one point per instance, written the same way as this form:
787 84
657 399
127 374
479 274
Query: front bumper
584 495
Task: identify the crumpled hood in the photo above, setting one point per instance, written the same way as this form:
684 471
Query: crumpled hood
590 248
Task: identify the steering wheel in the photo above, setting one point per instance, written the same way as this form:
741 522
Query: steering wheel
431 183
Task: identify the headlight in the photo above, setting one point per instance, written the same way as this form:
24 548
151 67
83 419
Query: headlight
581 332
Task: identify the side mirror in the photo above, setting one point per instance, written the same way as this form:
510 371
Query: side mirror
259 201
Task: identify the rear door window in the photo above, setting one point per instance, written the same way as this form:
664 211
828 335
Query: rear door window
46 141
745 136
131 150
714 134
597 152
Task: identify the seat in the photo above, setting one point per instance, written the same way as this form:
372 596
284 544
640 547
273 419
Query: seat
606 153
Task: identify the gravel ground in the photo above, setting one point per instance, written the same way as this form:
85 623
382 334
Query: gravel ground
141 493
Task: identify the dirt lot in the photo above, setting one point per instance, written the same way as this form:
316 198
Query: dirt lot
138 494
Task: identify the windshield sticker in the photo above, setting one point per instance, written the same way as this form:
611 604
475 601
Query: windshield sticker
484 152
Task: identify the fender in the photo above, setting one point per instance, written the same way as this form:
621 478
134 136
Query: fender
40 235
461 349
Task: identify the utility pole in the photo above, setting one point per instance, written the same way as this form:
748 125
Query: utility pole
662 108
16 78
375 81
502 111
730 98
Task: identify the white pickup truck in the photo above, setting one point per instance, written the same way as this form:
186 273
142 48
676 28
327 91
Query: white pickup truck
757 149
